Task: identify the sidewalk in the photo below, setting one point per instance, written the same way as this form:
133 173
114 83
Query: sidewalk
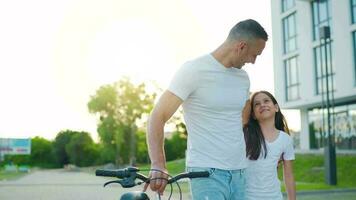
321 151
334 194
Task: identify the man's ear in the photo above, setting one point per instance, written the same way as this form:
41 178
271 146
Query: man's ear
241 45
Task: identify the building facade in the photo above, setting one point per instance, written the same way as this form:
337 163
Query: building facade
305 67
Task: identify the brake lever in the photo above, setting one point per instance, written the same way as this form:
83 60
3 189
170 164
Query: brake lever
110 182
125 183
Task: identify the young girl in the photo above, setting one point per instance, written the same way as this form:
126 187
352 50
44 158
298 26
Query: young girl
267 142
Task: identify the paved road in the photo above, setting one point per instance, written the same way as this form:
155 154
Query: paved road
69 185
59 185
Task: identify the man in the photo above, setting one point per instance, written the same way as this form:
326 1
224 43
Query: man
213 90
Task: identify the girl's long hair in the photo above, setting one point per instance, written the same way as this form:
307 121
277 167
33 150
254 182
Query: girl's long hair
254 138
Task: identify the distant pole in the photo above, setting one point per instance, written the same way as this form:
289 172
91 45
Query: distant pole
329 148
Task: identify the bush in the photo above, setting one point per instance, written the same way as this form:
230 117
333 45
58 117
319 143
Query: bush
176 146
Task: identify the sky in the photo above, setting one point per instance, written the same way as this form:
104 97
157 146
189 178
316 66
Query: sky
54 54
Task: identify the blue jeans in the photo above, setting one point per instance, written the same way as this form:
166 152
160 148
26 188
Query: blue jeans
220 185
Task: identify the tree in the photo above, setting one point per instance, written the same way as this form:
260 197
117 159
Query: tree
141 147
120 106
81 149
175 146
42 152
59 146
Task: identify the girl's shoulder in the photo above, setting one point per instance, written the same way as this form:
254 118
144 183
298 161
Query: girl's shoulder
285 136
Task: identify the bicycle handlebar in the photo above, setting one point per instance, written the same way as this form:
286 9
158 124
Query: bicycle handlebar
132 172
189 175
119 173
127 179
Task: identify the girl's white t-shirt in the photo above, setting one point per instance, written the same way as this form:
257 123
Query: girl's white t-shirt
261 175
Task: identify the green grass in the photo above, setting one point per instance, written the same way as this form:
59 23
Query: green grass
308 171
10 175
174 167
309 174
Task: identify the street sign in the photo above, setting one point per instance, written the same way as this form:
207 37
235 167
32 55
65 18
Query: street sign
10 146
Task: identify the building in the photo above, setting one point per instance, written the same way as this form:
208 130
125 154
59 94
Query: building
300 66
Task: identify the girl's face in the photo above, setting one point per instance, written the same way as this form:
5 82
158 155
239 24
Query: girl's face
263 107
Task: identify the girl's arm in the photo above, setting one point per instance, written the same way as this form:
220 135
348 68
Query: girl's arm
289 179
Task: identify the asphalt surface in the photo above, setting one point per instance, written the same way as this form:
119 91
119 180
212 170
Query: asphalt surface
75 185
61 185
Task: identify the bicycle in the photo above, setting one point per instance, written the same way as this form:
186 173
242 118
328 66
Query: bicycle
127 179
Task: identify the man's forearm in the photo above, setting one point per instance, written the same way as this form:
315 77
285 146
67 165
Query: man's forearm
162 112
155 139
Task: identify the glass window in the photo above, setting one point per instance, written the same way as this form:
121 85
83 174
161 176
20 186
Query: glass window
354 41
320 68
292 79
289 33
321 16
343 119
287 4
353 10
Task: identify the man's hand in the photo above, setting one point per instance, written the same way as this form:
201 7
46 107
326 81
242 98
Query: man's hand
158 180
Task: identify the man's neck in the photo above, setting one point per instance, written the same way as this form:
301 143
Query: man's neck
222 54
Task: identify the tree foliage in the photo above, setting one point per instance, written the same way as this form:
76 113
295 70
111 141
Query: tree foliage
81 149
42 152
59 146
175 147
75 147
141 148
120 106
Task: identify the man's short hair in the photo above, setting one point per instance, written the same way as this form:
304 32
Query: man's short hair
248 29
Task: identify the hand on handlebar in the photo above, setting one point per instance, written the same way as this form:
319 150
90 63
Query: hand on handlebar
158 180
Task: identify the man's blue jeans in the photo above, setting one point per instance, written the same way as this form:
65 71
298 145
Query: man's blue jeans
220 185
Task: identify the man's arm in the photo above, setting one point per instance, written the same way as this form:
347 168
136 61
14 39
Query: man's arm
289 179
246 111
162 112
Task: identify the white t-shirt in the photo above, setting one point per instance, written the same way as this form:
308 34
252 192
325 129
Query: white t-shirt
262 181
214 97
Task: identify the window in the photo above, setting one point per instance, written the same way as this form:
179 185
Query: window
354 42
353 11
287 4
320 67
292 79
321 16
343 121
289 34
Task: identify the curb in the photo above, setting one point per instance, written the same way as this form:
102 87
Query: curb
333 191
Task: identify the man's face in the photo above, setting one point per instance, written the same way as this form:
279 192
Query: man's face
247 52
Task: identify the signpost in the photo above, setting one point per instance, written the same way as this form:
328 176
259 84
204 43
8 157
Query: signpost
11 146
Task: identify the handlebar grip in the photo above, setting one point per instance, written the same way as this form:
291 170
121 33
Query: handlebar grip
198 174
189 175
111 173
